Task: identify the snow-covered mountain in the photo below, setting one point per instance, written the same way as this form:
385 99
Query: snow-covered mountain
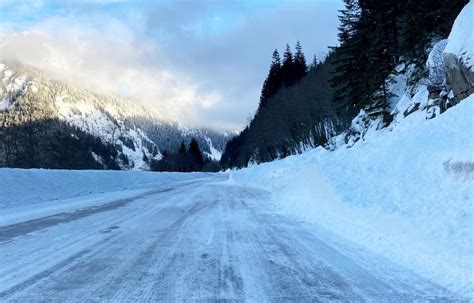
137 133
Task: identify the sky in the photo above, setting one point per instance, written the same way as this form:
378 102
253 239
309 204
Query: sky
201 62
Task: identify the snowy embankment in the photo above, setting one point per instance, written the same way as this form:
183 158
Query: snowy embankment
30 193
406 193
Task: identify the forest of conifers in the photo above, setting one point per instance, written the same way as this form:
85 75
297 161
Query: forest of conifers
302 106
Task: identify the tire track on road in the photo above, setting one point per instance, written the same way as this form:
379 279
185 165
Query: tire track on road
9 232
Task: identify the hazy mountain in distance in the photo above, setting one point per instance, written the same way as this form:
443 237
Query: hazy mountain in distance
135 133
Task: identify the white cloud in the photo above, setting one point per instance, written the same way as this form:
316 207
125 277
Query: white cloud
108 58
201 62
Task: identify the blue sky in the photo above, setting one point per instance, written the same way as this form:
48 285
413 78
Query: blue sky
200 61
208 16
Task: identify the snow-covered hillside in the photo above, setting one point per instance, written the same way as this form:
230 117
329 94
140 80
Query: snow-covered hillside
404 190
137 132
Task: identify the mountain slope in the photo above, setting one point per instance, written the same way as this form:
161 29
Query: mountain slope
380 41
135 133
295 118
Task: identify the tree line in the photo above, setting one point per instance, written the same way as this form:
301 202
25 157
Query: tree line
374 36
295 112
189 159
283 74
302 107
29 141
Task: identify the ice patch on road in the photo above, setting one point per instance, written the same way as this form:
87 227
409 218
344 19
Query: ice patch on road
30 193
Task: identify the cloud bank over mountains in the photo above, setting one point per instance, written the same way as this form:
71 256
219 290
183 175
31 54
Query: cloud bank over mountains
200 62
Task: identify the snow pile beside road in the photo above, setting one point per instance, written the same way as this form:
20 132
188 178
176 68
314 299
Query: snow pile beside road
23 187
406 193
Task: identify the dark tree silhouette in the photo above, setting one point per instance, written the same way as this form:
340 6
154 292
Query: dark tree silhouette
274 80
288 67
300 62
195 156
184 160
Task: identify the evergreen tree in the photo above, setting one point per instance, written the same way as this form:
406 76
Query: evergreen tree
182 163
422 20
196 158
382 52
350 78
288 67
182 148
185 161
274 80
300 67
374 35
281 75
314 64
367 55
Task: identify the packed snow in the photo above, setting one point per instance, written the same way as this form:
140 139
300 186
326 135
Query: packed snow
191 239
462 35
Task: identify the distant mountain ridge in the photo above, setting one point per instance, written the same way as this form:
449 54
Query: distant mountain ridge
134 133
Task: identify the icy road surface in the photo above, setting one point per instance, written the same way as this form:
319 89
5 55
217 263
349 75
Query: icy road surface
202 239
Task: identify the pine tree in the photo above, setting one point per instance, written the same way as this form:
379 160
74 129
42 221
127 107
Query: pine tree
196 157
300 67
182 148
314 64
374 35
288 67
350 79
422 20
274 80
368 33
381 52
182 163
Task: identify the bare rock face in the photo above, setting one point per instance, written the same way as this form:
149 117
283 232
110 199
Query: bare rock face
459 78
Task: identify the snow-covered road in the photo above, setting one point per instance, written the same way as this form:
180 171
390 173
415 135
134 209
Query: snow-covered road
202 239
